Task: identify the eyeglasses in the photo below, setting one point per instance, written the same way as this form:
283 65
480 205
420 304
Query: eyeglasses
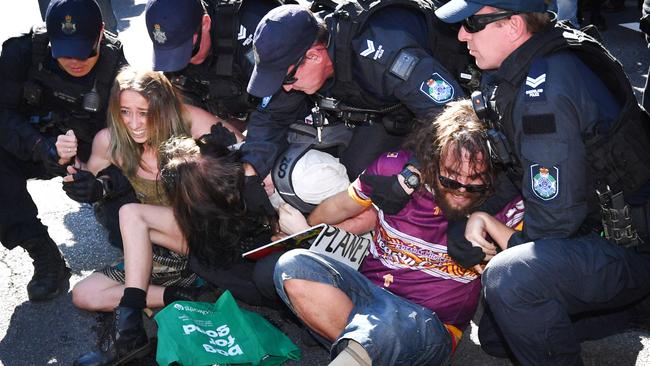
478 22
291 76
456 185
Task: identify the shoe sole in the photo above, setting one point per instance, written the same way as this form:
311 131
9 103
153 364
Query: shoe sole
136 354
64 286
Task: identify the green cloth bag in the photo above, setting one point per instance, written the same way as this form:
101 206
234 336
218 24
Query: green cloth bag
201 334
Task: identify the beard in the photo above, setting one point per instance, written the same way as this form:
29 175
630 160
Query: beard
451 210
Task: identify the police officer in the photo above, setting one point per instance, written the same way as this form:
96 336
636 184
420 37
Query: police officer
54 86
577 140
205 47
374 78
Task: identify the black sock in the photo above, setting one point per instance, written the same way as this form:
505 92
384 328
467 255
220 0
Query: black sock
134 298
169 295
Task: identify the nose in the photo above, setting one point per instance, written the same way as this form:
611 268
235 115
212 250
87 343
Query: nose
463 35
134 121
287 88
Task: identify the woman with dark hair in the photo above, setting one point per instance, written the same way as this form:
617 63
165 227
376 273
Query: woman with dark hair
207 219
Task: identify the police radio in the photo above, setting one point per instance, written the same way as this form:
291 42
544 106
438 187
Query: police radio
497 143
92 102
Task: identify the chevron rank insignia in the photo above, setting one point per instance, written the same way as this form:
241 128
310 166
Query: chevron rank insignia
536 81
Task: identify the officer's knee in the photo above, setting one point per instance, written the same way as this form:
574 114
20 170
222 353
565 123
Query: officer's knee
507 279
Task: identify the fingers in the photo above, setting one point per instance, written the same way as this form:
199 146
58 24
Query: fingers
66 146
478 268
267 183
487 247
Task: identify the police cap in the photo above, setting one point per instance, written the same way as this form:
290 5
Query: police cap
456 10
282 36
73 27
171 25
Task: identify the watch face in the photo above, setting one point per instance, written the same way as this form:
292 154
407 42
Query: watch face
413 181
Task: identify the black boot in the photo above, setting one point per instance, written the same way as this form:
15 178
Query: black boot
128 341
51 274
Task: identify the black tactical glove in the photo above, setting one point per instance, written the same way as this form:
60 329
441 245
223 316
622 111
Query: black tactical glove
85 187
110 183
459 248
255 197
45 151
387 193
219 135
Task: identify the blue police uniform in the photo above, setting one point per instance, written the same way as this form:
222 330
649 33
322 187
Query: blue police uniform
390 65
225 95
19 127
556 271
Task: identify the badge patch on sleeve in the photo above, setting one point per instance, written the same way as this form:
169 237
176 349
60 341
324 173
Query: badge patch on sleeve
438 89
545 181
265 101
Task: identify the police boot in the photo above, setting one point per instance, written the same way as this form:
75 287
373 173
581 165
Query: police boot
51 274
128 341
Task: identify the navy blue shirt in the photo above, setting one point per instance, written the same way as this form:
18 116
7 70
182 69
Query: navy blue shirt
561 101
391 63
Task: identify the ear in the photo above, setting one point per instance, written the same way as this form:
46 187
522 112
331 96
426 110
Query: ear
517 28
206 23
314 54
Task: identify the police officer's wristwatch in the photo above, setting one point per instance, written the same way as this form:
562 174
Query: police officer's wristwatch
411 179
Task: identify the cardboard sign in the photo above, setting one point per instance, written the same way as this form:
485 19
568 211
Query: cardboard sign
328 240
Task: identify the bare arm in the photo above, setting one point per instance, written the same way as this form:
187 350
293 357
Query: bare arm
202 120
481 223
359 224
100 157
335 209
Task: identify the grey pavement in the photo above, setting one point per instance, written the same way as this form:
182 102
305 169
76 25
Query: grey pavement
55 333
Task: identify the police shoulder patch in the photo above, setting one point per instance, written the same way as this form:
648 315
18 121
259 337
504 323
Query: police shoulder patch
545 181
265 101
437 89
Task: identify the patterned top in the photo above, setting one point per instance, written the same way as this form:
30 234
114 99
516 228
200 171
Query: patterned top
409 257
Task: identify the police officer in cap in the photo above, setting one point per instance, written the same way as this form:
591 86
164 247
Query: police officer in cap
205 47
374 80
578 154
54 87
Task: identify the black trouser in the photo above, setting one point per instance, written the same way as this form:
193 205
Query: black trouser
18 213
107 212
250 282
368 142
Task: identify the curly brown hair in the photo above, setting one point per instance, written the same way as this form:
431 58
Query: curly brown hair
456 129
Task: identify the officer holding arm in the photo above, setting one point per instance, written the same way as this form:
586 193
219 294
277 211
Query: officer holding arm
54 87
373 77
578 145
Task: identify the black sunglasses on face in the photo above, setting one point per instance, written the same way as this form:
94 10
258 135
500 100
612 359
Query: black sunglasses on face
291 76
477 23
456 185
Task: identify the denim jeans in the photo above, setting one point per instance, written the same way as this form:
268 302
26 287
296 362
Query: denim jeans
393 330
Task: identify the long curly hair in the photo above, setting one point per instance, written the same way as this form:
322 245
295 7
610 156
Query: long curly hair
456 128
204 183
165 116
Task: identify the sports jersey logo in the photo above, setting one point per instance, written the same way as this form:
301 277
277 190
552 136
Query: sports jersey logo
68 27
158 35
544 181
437 89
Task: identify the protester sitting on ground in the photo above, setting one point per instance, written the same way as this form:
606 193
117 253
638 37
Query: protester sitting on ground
409 302
207 220
143 112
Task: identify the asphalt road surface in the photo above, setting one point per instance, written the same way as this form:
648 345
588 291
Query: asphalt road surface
55 333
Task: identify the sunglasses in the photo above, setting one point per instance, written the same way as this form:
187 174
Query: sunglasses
291 76
477 23
456 185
